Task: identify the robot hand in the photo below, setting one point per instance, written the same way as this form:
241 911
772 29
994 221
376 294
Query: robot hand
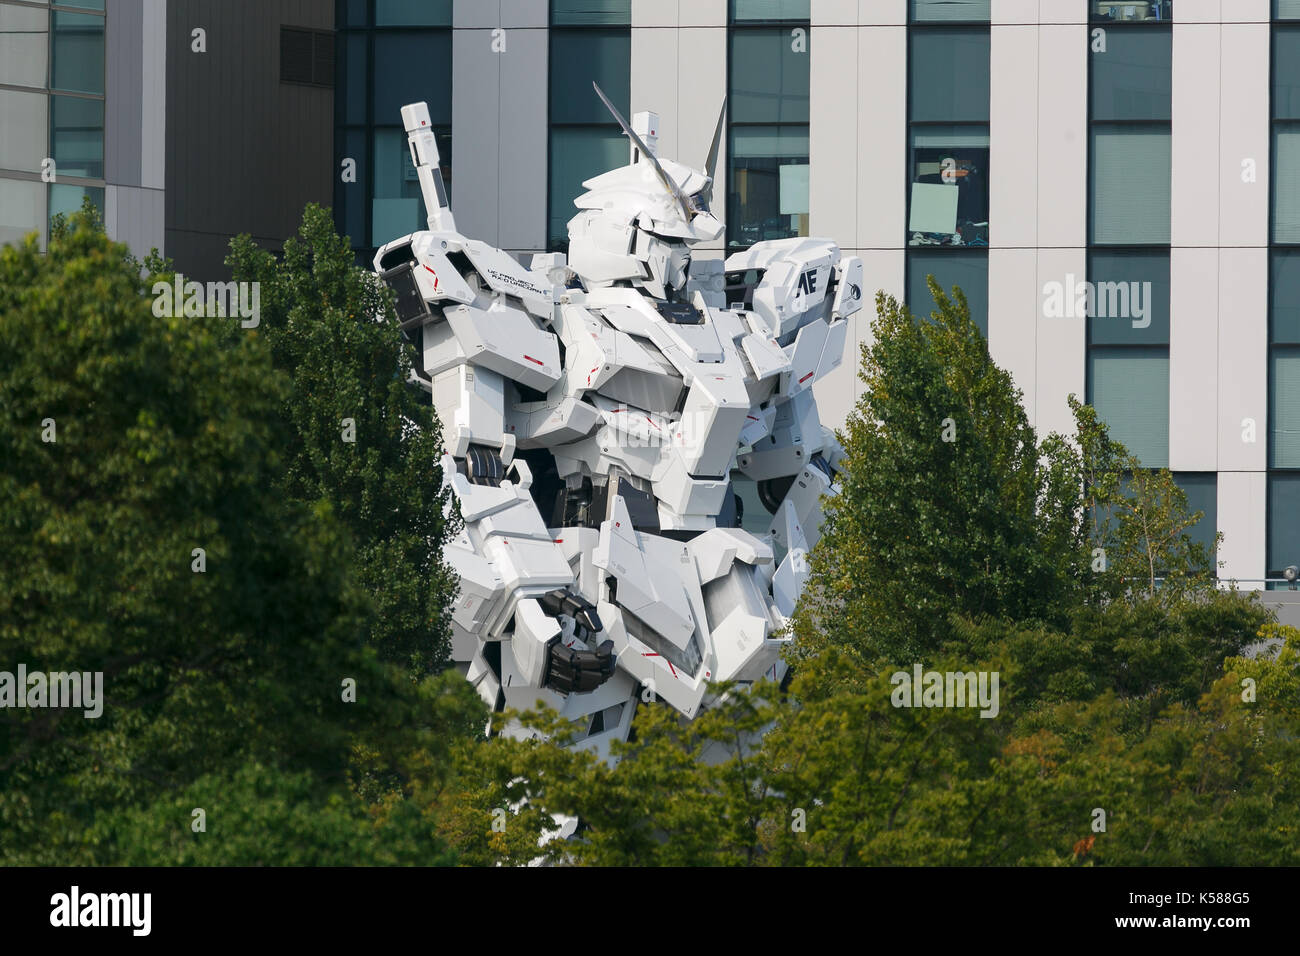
556 643
568 669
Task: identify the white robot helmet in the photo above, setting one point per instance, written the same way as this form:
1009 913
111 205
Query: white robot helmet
638 222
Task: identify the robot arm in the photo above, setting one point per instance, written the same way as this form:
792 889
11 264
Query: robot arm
802 293
424 154
518 619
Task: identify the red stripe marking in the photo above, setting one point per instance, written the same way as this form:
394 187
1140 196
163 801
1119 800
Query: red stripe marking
666 661
806 377
531 359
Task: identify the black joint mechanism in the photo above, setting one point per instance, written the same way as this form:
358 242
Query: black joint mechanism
564 601
571 671
483 466
568 669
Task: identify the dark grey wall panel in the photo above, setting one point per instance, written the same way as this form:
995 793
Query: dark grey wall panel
135 216
499 122
522 132
124 38
476 132
153 97
245 152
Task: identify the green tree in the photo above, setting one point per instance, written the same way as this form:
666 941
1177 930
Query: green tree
947 503
130 440
1137 519
362 439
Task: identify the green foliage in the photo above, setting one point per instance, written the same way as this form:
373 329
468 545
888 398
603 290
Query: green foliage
260 816
947 504
318 314
1138 517
221 687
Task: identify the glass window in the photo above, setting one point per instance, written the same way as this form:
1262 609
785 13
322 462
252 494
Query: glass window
950 76
397 207
77 54
65 198
24 46
410 67
1129 298
949 198
1284 309
759 10
578 154
1133 78
353 14
767 193
585 140
924 11
769 77
77 136
1286 9
83 4
1129 388
767 107
1284 407
582 13
1128 10
966 269
1286 73
22 210
350 91
1283 524
1130 172
1286 183
581 57
1202 491
24 118
349 198
412 13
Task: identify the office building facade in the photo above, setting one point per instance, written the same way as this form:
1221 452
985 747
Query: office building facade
1112 184
82 114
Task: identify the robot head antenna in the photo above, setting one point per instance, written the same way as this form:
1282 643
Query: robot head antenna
638 222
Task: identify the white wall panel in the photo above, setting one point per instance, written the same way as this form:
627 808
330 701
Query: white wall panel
1062 135
1013 138
833 134
1243 134
1242 357
1193 365
1242 511
1194 207
882 137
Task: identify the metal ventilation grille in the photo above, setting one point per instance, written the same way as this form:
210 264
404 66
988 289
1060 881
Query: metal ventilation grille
306 56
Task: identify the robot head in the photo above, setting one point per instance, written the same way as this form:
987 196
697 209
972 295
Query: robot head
639 222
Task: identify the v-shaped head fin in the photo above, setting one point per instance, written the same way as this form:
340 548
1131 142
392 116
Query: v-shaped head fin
669 183
711 164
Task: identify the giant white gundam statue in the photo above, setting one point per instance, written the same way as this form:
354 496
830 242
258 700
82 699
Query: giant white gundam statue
596 414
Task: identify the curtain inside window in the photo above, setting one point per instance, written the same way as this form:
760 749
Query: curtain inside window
1129 388
1130 185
